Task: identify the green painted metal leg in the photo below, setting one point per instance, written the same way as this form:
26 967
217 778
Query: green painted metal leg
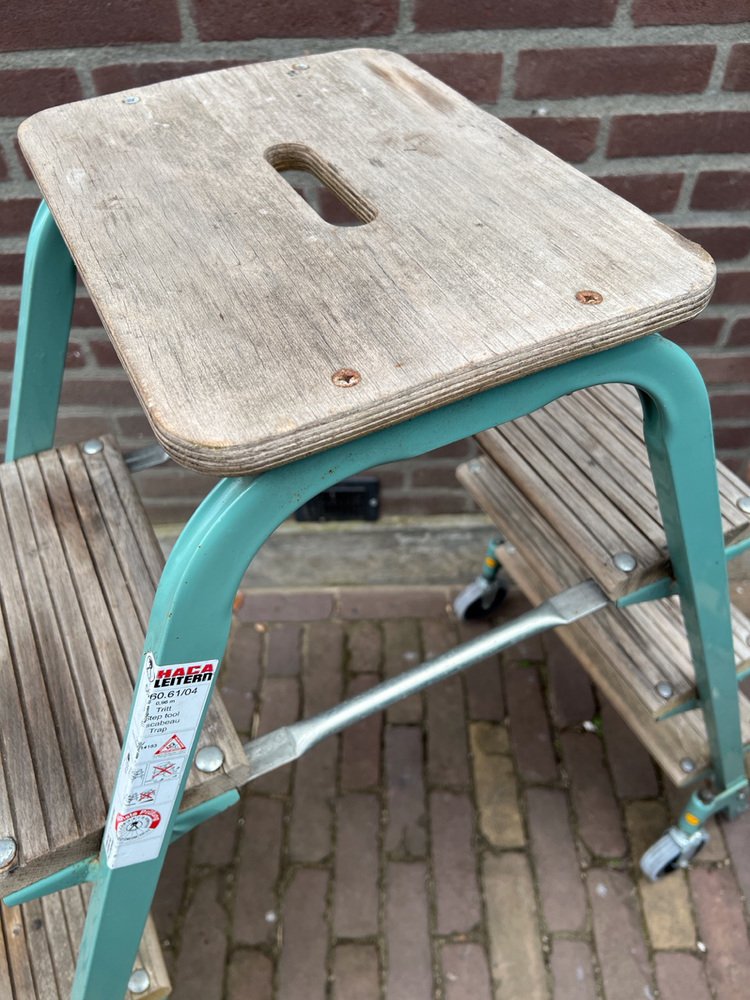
47 296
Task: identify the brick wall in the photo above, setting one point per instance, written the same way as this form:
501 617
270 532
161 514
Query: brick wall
648 96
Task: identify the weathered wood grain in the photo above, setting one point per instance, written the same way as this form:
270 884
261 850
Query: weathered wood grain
232 303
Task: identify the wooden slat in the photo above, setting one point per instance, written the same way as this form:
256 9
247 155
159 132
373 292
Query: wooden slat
223 269
39 944
626 651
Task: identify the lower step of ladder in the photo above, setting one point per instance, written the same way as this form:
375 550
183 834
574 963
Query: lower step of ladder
39 943
630 653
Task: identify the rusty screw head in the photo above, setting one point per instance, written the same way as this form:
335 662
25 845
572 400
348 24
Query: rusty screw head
345 378
589 298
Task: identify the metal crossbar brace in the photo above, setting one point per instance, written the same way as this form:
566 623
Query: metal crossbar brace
288 743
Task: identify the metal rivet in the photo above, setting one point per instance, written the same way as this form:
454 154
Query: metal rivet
139 981
92 447
588 297
345 378
744 504
8 851
664 689
209 759
625 562
300 65
687 764
130 99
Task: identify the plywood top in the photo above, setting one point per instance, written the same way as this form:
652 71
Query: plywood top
232 304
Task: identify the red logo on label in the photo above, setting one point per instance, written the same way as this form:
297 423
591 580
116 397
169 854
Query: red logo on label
134 824
173 745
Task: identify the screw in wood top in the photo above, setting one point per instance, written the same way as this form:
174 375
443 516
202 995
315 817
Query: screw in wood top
589 298
345 378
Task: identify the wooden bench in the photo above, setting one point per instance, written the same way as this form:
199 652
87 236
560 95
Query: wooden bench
570 487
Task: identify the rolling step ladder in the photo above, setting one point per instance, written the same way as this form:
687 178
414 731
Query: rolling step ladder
570 489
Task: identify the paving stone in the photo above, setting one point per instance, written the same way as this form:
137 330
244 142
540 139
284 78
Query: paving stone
322 666
355 972
554 856
595 805
355 894
401 652
447 748
286 605
495 786
214 842
279 707
311 822
516 957
257 871
484 691
409 960
302 964
454 862
465 972
406 827
572 969
250 976
680 977
283 650
571 692
667 912
646 821
618 933
737 837
364 646
168 901
722 928
199 968
633 772
529 726
361 743
393 602
239 677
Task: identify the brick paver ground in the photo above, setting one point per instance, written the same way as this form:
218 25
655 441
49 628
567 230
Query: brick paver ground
477 843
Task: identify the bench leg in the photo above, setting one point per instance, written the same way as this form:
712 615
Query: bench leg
47 297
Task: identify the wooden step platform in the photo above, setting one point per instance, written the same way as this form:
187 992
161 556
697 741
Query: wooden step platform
627 651
39 944
80 564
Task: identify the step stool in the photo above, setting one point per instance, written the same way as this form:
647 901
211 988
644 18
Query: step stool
486 280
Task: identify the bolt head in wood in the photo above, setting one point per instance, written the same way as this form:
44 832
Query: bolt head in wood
92 447
139 981
8 851
209 759
687 765
130 99
625 562
744 504
664 689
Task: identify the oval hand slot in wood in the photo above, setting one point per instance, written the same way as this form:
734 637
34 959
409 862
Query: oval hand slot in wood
288 157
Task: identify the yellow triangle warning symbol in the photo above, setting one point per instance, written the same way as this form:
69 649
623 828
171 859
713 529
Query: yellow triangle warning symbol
173 745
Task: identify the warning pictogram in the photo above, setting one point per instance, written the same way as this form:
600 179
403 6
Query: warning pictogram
173 745
134 824
165 770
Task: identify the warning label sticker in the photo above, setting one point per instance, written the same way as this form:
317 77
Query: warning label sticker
169 703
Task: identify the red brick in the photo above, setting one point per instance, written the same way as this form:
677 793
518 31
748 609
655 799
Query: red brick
484 691
444 15
218 20
409 975
73 359
740 334
572 970
302 966
363 647
722 242
392 602
598 814
637 69
279 707
360 744
465 972
618 932
553 850
721 189
458 904
572 696
71 429
26 91
98 392
355 973
85 314
476 75
529 728
69 25
680 976
11 268
169 901
240 674
126 76
105 354
633 771
722 928
402 651
700 332
730 406
428 502
355 892
3 167
22 159
199 970
690 11
686 132
732 286
17 215
283 650
447 748
737 76
731 438
649 192
287 606
433 474
250 975
8 314
573 139
405 833
214 843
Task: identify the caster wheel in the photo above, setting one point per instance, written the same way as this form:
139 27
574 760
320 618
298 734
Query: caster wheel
480 598
672 851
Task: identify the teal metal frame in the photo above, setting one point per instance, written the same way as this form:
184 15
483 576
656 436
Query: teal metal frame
191 614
